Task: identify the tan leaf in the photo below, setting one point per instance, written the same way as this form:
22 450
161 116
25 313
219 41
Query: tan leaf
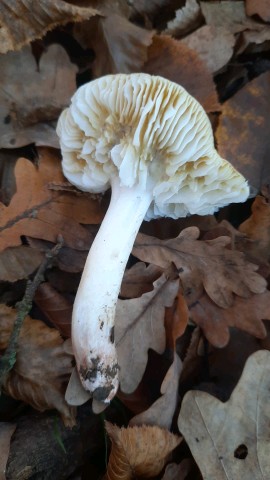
42 366
6 432
220 271
229 14
173 60
243 133
139 279
259 7
176 471
186 19
138 451
139 325
56 308
40 212
119 45
32 96
231 440
23 21
18 262
253 36
213 44
257 228
176 320
245 313
162 410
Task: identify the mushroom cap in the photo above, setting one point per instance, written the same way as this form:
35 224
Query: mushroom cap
148 131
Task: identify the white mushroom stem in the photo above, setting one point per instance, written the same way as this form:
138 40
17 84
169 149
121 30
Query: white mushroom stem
95 303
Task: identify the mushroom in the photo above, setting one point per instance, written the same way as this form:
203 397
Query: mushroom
152 143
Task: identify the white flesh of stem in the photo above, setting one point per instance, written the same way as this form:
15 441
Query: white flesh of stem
95 303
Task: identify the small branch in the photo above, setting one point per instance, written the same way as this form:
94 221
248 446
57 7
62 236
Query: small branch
8 360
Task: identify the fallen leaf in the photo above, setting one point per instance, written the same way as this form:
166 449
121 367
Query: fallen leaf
139 279
176 320
162 410
258 7
18 262
245 313
56 308
139 325
149 7
138 451
8 159
252 36
243 134
229 14
175 61
220 271
23 21
186 19
231 440
257 228
6 432
119 45
214 45
32 96
176 471
38 211
42 366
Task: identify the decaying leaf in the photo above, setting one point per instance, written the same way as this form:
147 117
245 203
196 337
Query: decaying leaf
228 14
6 432
231 440
22 21
222 272
139 279
162 410
139 325
186 18
42 366
176 471
119 45
173 60
32 96
38 211
176 320
245 313
18 262
247 113
56 308
138 451
213 44
259 7
257 228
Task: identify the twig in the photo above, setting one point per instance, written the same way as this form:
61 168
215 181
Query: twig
8 360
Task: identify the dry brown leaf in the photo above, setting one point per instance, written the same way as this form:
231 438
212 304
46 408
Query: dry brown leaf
56 308
40 212
245 313
6 432
213 44
149 7
139 325
176 471
138 451
162 410
18 262
257 228
32 96
139 279
243 133
259 7
119 45
231 440
222 272
229 14
176 320
186 19
173 60
23 21
42 367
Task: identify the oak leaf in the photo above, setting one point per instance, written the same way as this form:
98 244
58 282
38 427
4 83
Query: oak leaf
258 7
243 133
257 228
32 96
232 440
186 19
229 14
138 451
23 21
42 365
139 325
18 262
139 279
220 271
39 211
175 61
